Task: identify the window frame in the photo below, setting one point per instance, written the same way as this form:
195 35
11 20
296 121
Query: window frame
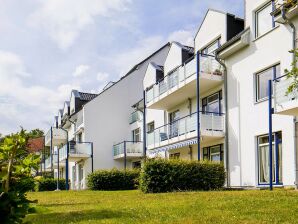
203 50
256 81
256 18
175 155
275 150
207 155
134 138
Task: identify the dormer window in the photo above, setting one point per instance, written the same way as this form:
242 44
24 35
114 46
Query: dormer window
211 48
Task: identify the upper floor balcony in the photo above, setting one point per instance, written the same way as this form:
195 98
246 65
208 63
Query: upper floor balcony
48 162
180 84
135 116
77 151
128 150
290 7
55 137
285 102
211 128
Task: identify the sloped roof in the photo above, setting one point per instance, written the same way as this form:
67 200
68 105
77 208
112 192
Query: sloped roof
87 96
35 144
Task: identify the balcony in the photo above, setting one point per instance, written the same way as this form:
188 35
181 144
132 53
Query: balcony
77 151
211 125
131 149
290 7
286 104
59 136
135 116
181 84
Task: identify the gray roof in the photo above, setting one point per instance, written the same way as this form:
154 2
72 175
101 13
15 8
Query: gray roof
87 96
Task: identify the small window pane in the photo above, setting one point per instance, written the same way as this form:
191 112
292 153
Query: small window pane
263 20
262 83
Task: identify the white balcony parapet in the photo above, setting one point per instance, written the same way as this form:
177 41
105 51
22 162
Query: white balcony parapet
76 150
211 125
179 76
285 102
132 149
58 135
135 116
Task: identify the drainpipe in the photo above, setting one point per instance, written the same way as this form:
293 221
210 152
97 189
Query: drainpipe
283 14
294 33
198 107
226 117
144 127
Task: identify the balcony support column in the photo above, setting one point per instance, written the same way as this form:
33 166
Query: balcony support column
270 112
144 127
92 161
51 150
124 155
58 168
198 107
66 166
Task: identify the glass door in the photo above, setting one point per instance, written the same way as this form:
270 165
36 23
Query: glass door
174 117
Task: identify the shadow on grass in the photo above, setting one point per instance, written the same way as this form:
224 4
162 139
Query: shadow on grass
76 216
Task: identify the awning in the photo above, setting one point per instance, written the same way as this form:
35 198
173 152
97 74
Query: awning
174 146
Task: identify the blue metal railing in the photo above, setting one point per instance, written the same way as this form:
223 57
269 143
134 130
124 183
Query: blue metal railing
209 121
208 65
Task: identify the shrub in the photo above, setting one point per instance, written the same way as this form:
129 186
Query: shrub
23 184
113 179
49 184
175 175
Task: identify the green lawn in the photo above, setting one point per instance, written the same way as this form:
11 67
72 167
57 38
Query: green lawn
254 206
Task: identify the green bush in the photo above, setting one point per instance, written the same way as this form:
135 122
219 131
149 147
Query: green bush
23 184
49 184
175 175
113 179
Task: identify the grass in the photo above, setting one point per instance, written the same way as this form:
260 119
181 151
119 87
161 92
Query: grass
254 206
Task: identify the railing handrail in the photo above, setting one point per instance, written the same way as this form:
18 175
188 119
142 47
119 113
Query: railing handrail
205 112
127 141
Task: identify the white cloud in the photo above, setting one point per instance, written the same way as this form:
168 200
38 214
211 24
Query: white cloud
23 104
102 76
182 36
81 70
63 20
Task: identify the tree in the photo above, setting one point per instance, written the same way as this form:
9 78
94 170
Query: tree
35 133
293 74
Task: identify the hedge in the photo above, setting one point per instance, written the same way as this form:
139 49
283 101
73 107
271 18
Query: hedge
113 179
49 184
160 175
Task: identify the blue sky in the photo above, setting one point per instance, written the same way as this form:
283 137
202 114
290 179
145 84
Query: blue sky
48 47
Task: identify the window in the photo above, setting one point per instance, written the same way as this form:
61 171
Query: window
150 127
263 158
136 165
174 117
136 135
210 49
213 153
79 137
212 103
263 20
175 155
262 81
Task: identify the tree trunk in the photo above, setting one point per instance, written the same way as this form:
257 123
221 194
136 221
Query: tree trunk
9 170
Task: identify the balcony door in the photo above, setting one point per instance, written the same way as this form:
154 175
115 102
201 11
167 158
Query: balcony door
174 117
212 104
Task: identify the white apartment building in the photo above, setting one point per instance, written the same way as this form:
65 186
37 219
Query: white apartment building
212 96
100 131
189 87
260 53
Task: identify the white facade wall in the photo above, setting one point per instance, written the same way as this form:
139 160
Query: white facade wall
213 27
248 119
106 118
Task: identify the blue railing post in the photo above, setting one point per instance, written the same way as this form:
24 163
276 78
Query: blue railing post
124 155
144 127
51 149
66 166
198 106
92 161
270 133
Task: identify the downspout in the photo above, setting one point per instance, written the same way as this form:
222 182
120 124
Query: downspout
226 117
294 33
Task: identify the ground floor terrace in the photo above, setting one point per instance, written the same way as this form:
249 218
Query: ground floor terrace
248 206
